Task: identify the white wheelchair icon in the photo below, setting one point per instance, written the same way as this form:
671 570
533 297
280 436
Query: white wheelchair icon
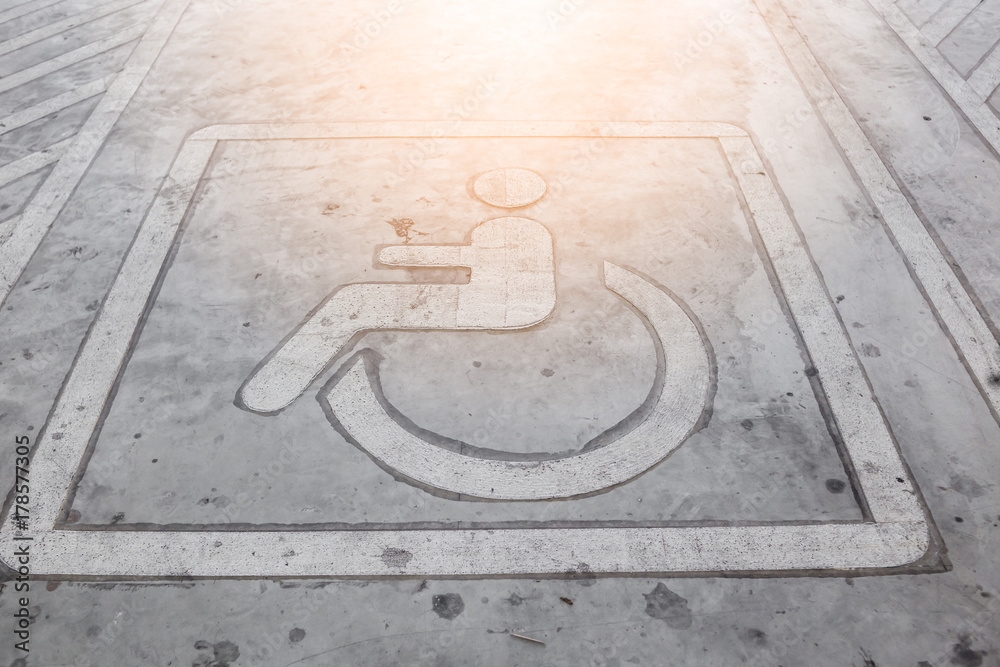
511 287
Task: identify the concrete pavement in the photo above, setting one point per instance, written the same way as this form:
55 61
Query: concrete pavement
409 333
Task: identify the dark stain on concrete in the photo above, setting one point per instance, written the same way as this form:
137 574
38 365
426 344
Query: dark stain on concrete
835 485
747 424
397 558
548 372
225 652
515 600
967 486
867 657
752 636
448 605
404 228
869 350
295 635
582 574
669 607
964 655
117 518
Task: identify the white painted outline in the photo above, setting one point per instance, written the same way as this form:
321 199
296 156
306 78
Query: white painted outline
26 8
970 96
19 246
32 162
968 327
55 104
897 535
947 18
68 23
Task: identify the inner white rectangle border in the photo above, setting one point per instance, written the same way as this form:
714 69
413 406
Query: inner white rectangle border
897 535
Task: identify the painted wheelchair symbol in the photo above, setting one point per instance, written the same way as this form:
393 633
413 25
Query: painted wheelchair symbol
511 286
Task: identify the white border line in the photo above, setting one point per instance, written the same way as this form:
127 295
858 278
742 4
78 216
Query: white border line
898 536
68 23
7 226
48 202
73 57
970 333
968 99
54 104
986 77
946 19
25 9
32 162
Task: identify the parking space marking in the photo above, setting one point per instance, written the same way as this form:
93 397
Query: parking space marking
968 328
50 199
73 57
54 104
33 162
25 8
969 98
68 23
946 19
898 534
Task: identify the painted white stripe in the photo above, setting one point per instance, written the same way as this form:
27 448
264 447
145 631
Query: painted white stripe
418 128
29 163
54 104
7 227
881 474
833 548
96 366
986 77
947 19
898 537
37 35
71 58
968 100
39 215
969 330
26 8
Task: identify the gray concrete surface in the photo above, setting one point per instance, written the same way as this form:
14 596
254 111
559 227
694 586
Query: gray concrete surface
877 151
